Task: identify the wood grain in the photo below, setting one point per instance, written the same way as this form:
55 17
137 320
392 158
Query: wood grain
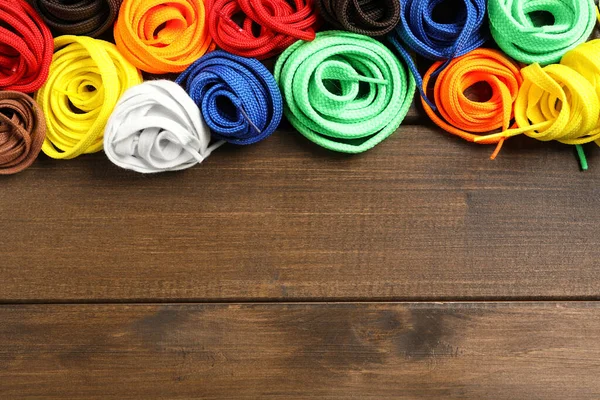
298 351
422 216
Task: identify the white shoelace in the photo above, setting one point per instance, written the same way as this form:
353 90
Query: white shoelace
156 127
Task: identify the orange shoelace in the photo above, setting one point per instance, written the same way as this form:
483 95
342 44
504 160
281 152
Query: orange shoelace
463 116
161 37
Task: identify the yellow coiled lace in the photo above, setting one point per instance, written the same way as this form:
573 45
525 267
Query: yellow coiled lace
87 77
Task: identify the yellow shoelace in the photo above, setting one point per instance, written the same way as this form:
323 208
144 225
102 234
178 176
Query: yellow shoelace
560 101
87 77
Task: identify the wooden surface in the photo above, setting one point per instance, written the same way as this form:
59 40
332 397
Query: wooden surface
294 351
179 286
423 216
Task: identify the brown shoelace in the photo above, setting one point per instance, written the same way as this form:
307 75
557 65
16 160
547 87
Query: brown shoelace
366 17
22 131
78 17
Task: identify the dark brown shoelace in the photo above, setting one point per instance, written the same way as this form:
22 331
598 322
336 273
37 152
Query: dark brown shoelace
78 17
22 131
367 17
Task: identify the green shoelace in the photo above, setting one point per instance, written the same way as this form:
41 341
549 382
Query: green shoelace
523 31
344 91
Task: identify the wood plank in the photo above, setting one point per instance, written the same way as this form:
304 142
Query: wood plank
301 351
422 216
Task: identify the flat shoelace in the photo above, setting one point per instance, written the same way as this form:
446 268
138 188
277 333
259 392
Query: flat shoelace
561 101
25 47
468 118
156 127
238 97
435 40
87 77
281 24
344 91
78 17
585 59
160 36
22 131
518 27
366 17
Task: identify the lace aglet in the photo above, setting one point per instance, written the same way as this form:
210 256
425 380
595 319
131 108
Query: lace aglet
71 95
430 103
582 159
230 22
497 150
500 136
362 78
249 120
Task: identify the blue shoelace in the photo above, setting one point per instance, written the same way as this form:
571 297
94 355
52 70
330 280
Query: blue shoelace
238 97
435 40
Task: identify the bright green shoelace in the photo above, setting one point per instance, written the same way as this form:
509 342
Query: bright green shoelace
344 91
518 27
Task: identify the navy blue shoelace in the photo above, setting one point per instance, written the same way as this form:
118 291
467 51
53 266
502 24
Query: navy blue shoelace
238 97
436 40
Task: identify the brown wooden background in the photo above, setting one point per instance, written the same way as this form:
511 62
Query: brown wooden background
418 270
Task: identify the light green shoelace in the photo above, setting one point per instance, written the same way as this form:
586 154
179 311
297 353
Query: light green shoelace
518 28
344 91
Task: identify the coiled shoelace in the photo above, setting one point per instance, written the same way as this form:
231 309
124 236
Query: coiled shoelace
463 116
438 40
22 131
156 127
519 28
25 47
160 36
281 24
238 97
344 91
560 101
87 77
78 17
366 17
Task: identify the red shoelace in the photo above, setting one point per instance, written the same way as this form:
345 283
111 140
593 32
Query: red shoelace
26 47
276 25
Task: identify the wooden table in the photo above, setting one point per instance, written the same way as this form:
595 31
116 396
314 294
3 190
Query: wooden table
418 270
